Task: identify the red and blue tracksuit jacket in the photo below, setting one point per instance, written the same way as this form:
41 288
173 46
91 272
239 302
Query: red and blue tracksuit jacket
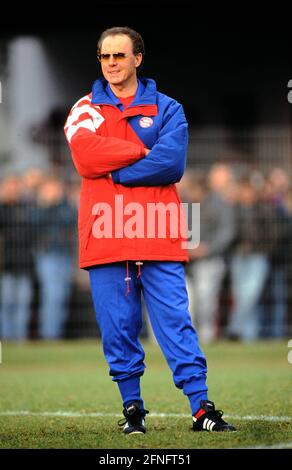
108 149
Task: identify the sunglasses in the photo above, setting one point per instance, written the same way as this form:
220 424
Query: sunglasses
118 56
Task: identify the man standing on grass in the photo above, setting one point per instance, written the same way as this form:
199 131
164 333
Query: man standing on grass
129 143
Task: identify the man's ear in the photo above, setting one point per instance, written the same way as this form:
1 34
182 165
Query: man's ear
138 59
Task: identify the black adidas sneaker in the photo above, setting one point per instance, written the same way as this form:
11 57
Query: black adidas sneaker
209 419
134 422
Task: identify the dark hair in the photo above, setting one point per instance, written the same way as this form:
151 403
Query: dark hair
136 38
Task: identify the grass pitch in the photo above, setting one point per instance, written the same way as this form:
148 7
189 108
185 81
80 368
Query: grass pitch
251 382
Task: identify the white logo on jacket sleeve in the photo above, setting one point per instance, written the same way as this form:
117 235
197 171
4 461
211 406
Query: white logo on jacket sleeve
97 121
75 120
146 121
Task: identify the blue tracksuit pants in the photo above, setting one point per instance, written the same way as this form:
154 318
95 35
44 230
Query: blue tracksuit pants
119 316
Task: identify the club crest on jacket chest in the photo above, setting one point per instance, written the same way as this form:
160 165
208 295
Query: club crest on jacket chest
145 122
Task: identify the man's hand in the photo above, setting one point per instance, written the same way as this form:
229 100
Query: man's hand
109 175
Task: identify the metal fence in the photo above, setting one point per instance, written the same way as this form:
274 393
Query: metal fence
244 286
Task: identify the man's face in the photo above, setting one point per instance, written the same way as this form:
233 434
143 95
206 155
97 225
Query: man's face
119 70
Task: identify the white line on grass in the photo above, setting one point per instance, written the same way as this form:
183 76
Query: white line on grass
75 414
281 445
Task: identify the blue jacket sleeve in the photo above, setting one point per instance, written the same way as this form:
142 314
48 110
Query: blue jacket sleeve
165 163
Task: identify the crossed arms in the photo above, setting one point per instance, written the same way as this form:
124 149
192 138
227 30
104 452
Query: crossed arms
131 164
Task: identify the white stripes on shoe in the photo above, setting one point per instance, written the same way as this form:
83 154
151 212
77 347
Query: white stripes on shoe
208 424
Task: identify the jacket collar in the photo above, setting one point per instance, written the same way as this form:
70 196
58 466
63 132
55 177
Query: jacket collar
145 94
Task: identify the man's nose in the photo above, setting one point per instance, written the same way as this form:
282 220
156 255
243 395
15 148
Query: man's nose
112 60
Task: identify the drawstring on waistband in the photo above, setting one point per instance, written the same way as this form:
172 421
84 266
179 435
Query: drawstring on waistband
128 278
139 264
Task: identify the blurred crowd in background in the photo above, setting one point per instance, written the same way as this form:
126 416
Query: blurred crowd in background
239 278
